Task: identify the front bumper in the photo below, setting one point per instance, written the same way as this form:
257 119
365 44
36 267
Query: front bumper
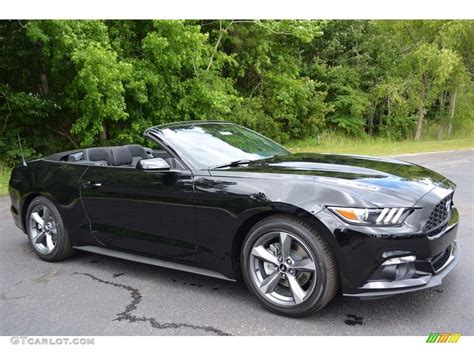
420 281
363 252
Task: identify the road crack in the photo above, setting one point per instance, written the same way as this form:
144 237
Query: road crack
137 297
3 297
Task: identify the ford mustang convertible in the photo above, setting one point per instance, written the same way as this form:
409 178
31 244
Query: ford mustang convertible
218 199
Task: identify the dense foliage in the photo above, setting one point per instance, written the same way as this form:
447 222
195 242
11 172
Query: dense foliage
66 84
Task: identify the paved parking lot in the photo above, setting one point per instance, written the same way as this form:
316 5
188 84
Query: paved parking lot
97 295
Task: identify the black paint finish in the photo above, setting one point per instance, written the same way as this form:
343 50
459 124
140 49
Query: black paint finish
141 211
200 217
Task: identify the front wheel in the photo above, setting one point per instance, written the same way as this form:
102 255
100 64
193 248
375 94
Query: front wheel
288 266
46 230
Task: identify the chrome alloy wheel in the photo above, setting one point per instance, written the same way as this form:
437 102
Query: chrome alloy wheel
43 229
282 268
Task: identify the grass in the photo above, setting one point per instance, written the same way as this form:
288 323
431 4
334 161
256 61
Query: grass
344 145
4 179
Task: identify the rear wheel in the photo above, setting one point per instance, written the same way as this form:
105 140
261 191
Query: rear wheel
288 266
46 230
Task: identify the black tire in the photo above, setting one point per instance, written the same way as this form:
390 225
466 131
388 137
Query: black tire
63 247
325 274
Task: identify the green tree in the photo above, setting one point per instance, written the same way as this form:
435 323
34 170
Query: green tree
68 84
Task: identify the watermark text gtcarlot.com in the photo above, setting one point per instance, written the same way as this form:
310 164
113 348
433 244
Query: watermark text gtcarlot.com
27 340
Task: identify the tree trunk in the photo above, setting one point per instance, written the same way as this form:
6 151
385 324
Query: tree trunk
103 133
371 119
442 103
421 107
43 77
452 108
442 110
63 132
44 85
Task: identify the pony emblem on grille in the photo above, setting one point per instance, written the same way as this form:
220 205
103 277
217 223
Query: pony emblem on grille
448 205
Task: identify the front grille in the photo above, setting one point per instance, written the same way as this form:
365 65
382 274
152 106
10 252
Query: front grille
439 216
441 259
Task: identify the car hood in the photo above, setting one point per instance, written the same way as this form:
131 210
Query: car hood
367 176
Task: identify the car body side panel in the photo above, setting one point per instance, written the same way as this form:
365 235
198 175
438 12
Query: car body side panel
142 211
224 203
59 181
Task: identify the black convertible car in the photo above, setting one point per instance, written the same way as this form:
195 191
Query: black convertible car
221 200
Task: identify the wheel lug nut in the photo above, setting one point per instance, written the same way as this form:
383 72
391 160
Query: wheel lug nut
288 261
283 275
292 272
280 259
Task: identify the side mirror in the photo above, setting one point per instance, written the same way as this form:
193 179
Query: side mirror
153 164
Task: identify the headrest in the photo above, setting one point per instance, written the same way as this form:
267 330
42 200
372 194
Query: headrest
137 150
96 154
120 156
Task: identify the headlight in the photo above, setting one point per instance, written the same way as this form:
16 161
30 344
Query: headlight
372 216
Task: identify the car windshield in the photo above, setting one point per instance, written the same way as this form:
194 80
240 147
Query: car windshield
214 144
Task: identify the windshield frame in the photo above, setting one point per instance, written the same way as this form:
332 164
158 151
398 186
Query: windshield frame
157 133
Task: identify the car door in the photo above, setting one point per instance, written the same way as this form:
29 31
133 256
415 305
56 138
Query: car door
150 212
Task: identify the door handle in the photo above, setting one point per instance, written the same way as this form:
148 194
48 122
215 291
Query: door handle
91 185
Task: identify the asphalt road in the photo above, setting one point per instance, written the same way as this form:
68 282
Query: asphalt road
97 295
